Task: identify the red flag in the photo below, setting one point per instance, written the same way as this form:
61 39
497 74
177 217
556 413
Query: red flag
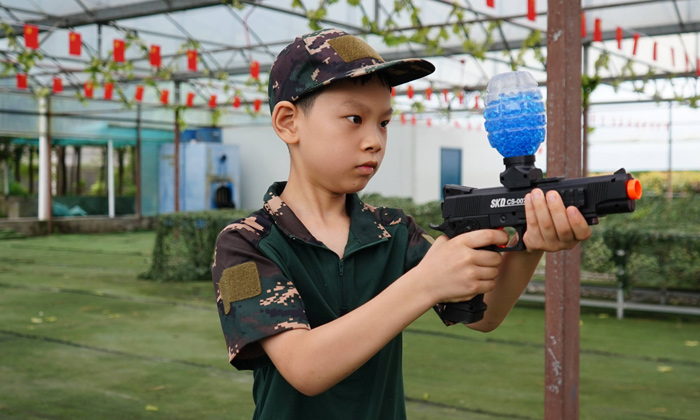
255 70
598 31
212 101
75 43
654 53
257 104
619 38
89 89
164 96
138 96
119 47
583 25
531 13
192 60
21 81
636 40
57 85
154 56
490 3
237 102
31 36
190 99
109 89
410 92
428 92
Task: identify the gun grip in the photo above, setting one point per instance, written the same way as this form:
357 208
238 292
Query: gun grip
465 312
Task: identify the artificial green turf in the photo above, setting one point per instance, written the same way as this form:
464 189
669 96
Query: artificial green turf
82 337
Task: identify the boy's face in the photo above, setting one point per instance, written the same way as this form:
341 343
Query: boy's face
342 138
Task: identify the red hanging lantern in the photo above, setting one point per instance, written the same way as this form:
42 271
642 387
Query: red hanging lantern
531 12
413 120
255 69
236 101
428 92
164 96
490 3
138 96
619 38
190 99
212 101
598 31
393 91
57 85
429 122
21 81
636 40
109 89
257 104
409 92
444 93
461 97
403 119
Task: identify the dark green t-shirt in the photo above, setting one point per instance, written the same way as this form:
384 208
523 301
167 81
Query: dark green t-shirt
271 275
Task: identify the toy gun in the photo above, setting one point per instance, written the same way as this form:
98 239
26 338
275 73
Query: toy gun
466 209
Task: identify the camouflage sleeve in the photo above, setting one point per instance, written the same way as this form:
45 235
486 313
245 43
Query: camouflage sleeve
254 299
418 243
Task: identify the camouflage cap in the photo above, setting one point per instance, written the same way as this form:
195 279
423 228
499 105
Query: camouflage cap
316 59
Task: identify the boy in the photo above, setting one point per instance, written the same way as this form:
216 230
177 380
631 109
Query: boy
314 289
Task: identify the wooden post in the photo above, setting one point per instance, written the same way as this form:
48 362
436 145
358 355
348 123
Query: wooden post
563 159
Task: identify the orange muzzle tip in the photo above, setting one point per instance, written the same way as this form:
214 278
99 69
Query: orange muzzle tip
634 189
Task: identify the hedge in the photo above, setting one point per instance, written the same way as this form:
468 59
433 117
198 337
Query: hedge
656 246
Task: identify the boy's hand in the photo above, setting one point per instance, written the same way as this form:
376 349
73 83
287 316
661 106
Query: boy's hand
550 226
456 270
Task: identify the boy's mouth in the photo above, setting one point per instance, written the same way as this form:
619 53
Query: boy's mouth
367 167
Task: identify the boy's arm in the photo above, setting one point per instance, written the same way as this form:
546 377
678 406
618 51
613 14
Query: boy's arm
550 227
314 360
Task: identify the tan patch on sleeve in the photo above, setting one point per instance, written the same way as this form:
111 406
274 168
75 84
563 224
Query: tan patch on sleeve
350 48
428 238
238 283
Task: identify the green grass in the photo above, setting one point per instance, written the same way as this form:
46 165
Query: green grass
82 337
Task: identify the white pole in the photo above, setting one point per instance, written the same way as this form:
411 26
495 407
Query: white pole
44 163
110 177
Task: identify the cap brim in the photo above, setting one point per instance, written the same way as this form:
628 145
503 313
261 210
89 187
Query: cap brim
397 72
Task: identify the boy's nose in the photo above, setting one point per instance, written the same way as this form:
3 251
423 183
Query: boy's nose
372 142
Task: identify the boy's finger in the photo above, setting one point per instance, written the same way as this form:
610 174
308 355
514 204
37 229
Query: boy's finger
560 218
578 223
544 221
481 238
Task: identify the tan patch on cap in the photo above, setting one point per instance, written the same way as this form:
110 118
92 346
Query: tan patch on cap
238 283
351 48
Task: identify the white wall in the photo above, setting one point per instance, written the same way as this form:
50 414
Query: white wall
411 166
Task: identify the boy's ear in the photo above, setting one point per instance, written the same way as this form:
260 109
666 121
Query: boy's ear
284 121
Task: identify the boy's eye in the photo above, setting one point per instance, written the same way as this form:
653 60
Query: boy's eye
354 119
385 123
